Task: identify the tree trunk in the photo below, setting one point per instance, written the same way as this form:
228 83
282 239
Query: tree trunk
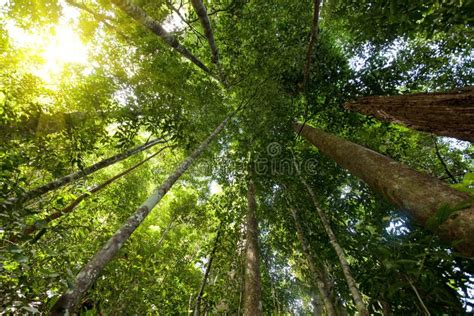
197 306
70 300
38 224
340 254
141 16
206 25
315 273
55 184
312 40
419 195
253 290
445 114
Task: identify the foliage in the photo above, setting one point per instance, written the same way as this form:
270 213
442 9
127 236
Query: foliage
133 88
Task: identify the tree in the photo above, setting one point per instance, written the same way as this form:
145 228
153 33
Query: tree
57 183
252 292
315 274
446 114
71 299
430 202
132 73
356 296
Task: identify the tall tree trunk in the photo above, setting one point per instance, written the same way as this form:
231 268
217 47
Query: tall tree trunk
421 196
315 273
340 254
312 40
141 16
69 301
38 224
253 287
446 114
197 306
206 25
55 184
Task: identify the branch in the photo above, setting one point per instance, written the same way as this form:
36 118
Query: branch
443 163
176 10
99 17
141 16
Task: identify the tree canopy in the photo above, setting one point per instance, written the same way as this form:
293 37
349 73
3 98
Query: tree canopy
239 120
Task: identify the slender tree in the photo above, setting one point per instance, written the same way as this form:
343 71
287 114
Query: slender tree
429 201
70 300
206 25
197 306
143 18
445 114
312 41
253 286
55 184
315 273
71 206
356 296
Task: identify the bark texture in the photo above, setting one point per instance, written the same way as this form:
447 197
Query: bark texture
421 196
142 17
70 300
340 254
253 287
445 114
197 307
312 40
55 184
69 208
315 273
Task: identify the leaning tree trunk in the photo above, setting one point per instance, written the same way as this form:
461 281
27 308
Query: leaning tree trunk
426 199
197 306
253 287
70 300
55 184
446 114
141 16
316 275
340 254
68 209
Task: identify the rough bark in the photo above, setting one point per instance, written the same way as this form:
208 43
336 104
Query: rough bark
197 307
69 301
142 17
253 287
55 184
312 40
445 114
356 296
315 273
69 208
421 196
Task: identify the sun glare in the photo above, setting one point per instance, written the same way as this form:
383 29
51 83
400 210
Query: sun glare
56 49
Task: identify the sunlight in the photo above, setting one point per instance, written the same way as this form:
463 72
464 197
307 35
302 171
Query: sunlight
56 49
